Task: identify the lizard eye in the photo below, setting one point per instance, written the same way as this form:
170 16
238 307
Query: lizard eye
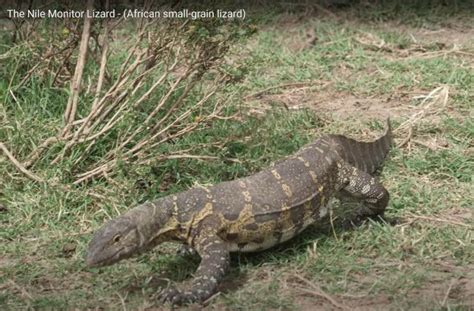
117 238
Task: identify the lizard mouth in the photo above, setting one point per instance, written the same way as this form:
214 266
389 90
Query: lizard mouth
95 259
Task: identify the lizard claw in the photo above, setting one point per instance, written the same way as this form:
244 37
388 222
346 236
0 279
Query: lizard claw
176 296
186 250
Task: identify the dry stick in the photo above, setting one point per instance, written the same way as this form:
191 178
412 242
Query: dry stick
175 105
101 114
424 111
18 165
104 168
154 112
96 114
154 86
132 51
91 138
108 165
28 75
138 82
185 156
285 85
407 138
35 154
71 108
93 173
111 122
71 45
442 91
439 220
65 59
122 77
184 115
318 292
187 129
103 64
446 296
96 100
98 171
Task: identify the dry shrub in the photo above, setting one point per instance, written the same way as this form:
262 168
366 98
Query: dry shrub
129 94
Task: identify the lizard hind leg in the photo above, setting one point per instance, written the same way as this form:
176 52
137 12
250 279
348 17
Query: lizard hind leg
363 186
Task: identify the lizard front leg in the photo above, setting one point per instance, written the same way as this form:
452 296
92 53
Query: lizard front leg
215 260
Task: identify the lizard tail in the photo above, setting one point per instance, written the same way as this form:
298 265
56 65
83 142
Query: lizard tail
366 156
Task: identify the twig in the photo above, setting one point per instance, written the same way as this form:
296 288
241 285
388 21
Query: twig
285 85
442 91
439 220
418 142
439 94
184 115
157 108
407 138
28 75
186 156
103 65
316 290
71 108
65 59
144 144
210 299
102 71
18 165
21 289
35 154
175 105
446 296
122 300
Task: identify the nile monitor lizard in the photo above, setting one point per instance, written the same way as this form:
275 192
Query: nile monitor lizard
247 214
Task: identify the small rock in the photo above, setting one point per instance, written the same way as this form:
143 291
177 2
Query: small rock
69 249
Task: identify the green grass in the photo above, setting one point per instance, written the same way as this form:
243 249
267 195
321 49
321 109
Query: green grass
410 263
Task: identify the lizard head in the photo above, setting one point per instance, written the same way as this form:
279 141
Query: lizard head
130 234
117 239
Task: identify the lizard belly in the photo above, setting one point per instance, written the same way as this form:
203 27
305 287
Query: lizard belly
257 235
274 205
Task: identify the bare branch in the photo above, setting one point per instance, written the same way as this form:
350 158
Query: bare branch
71 108
18 165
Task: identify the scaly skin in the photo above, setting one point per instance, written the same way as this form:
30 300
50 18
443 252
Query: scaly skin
247 214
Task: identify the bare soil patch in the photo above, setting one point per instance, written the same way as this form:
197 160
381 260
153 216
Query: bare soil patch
449 35
448 285
338 104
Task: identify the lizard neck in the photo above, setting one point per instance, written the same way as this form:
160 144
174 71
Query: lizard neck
157 222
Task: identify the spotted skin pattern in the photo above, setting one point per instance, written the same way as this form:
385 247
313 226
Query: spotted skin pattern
248 214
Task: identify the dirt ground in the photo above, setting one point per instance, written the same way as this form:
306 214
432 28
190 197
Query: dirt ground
455 36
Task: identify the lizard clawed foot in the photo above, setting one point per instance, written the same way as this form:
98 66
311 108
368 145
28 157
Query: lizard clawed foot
176 296
186 250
